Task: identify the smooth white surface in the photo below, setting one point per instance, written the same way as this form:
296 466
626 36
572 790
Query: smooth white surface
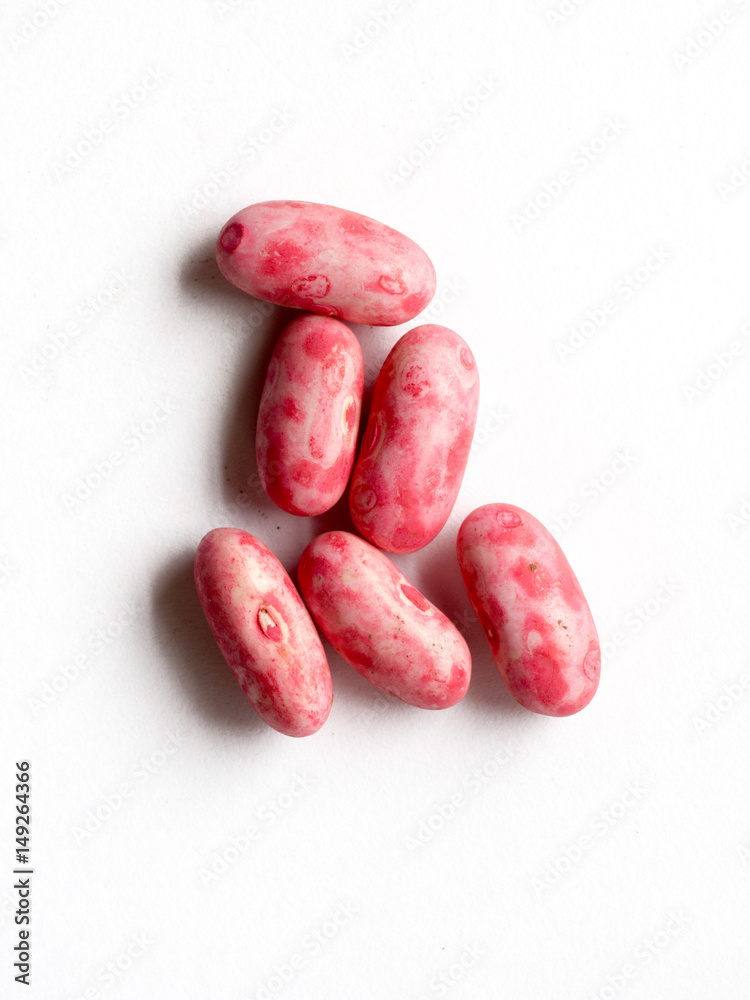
162 381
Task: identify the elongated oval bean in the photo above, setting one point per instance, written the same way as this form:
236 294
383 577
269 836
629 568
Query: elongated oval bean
414 452
309 415
326 260
380 624
532 609
264 631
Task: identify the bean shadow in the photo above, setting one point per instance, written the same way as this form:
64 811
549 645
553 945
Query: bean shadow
358 694
183 632
259 325
239 474
190 650
200 278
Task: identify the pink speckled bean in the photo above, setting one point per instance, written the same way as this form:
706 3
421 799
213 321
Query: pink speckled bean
326 260
264 631
380 624
309 415
417 442
532 609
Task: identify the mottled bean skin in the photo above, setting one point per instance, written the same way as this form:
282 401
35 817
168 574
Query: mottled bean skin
326 260
380 624
309 415
264 631
417 442
531 608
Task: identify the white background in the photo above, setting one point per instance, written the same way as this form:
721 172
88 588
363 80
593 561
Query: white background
511 854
